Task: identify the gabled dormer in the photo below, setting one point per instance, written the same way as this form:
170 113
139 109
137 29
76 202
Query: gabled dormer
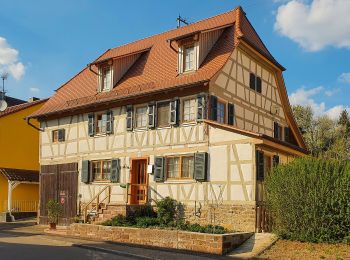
193 49
111 71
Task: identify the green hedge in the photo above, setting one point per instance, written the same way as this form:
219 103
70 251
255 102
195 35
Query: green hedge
309 200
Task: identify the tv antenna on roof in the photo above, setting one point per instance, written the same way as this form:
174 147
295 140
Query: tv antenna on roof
3 103
181 20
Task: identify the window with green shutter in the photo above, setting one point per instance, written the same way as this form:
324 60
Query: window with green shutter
213 108
129 118
109 122
275 160
159 169
174 112
231 114
61 135
260 167
151 116
91 124
200 166
115 172
85 172
201 107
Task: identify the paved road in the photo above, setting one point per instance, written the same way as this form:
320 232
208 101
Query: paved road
25 241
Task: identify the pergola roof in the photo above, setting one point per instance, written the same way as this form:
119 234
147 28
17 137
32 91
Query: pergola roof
20 175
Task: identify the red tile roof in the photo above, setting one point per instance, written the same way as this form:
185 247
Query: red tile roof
14 109
156 69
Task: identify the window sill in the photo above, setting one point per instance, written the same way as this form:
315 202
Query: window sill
101 182
179 181
189 123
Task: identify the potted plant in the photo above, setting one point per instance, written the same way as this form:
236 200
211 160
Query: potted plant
54 211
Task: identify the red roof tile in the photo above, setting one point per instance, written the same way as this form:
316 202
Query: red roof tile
14 109
156 69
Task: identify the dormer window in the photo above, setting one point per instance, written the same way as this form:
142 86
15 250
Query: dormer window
105 78
188 57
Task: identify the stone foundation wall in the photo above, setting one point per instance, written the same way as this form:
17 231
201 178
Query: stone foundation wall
233 217
163 238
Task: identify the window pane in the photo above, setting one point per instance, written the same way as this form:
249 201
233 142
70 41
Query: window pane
189 110
221 112
189 58
106 171
187 166
141 117
96 170
173 167
106 78
163 114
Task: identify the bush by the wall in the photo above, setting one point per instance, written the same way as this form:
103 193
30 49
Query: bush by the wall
309 200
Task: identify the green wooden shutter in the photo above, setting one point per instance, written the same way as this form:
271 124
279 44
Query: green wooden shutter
159 169
231 114
174 112
276 132
61 135
201 108
91 124
151 116
85 172
260 167
200 166
213 108
258 84
252 81
129 118
109 122
115 171
275 160
287 134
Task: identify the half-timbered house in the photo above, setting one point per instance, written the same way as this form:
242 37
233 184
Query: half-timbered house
199 113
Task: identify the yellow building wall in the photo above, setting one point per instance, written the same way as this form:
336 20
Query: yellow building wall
3 193
19 141
19 144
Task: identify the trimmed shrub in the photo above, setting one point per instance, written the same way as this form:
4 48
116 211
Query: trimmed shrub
167 210
309 200
145 222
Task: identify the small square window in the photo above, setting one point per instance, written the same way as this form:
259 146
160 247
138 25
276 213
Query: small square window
141 117
188 58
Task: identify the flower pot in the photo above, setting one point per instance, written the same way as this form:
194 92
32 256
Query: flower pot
52 226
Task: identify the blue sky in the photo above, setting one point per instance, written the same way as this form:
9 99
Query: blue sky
44 43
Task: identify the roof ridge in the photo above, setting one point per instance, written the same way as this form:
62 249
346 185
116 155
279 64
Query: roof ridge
172 30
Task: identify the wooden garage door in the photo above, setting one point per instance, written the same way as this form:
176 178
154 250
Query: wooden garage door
59 182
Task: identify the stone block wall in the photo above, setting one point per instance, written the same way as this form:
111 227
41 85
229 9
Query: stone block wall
233 217
161 238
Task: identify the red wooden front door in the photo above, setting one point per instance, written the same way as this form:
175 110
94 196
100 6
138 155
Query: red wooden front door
138 181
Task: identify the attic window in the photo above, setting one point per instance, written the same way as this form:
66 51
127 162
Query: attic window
187 60
188 57
105 78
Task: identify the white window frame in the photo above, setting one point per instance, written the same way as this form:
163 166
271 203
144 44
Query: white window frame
146 115
183 109
102 67
181 58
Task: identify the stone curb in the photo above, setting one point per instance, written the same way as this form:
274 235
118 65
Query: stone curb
114 252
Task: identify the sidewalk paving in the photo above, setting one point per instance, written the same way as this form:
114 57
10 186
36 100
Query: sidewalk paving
254 246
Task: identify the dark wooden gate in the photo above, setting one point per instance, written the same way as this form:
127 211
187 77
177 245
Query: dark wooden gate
59 182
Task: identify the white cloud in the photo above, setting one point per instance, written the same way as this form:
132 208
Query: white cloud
315 25
35 90
344 77
9 60
304 97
